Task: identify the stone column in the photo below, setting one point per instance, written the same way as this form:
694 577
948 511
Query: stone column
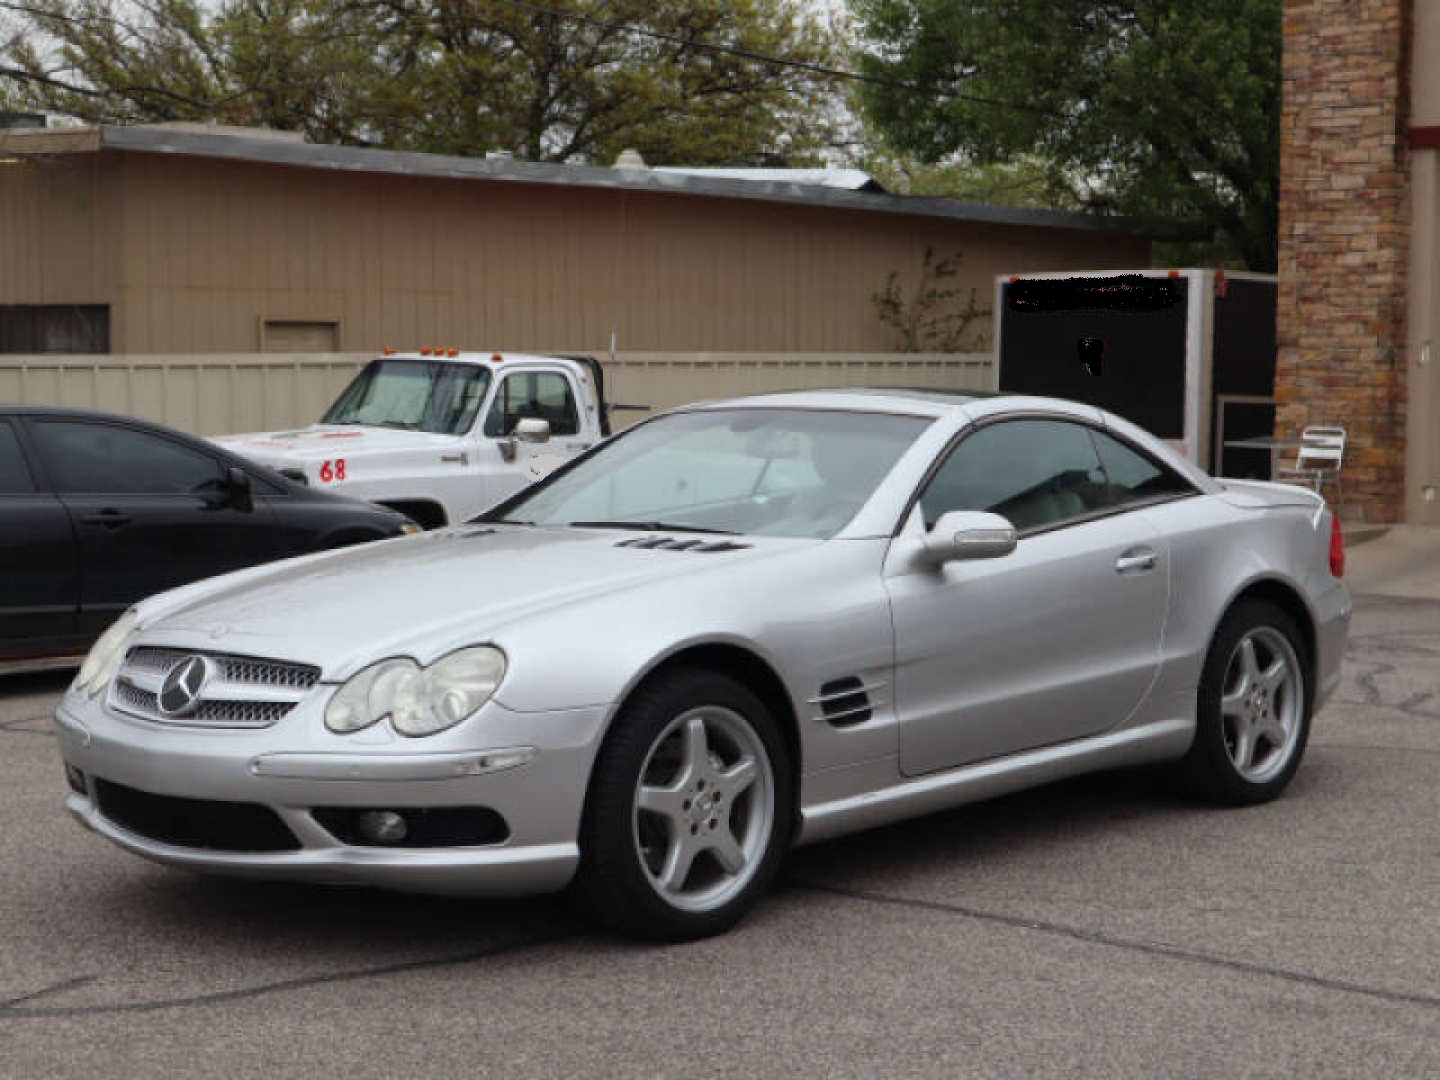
1344 229
1422 464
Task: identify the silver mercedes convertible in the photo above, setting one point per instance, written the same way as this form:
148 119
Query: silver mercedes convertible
736 627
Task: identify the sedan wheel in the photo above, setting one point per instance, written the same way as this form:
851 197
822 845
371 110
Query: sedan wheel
689 810
704 808
1254 707
1261 704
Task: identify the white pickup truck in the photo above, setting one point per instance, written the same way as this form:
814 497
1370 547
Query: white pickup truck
440 434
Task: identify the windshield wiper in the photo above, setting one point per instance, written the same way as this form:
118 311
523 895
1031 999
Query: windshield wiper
649 526
405 424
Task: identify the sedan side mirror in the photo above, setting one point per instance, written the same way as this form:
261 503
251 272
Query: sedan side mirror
532 430
969 534
237 490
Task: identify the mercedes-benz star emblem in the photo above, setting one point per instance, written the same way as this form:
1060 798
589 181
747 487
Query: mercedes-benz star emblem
180 692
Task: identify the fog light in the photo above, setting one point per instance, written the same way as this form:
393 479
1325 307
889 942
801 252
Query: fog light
76 779
382 826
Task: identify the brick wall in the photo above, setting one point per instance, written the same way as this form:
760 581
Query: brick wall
1344 225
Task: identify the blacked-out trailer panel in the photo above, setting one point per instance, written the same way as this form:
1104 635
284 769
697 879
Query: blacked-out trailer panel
1157 347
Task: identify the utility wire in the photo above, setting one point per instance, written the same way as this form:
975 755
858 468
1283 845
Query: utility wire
759 58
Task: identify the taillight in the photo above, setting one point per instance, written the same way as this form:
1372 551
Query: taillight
1337 547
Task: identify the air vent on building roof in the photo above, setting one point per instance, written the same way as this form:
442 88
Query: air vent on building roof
630 159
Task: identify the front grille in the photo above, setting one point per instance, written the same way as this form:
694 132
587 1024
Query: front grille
131 698
240 691
241 713
237 669
194 823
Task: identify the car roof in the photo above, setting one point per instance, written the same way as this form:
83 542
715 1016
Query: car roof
482 359
965 406
932 402
71 412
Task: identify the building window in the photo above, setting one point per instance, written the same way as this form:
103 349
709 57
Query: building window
299 335
54 328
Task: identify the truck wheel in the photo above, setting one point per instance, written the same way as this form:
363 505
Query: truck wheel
1254 707
689 811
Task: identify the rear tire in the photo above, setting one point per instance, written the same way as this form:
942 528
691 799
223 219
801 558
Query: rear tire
1254 707
689 812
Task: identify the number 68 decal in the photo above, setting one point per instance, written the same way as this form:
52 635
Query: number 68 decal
332 471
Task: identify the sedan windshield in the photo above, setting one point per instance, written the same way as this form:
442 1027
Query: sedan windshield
417 395
777 472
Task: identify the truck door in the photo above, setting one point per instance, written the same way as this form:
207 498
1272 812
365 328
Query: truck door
549 395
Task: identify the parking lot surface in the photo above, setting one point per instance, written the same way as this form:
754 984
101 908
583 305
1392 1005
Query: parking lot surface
1104 927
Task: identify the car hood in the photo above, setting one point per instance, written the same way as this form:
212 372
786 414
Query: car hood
322 442
427 594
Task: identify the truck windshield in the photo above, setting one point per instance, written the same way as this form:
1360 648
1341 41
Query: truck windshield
417 395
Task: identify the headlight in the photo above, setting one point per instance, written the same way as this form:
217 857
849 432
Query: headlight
419 701
366 698
105 655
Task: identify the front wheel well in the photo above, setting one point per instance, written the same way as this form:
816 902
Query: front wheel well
424 512
750 670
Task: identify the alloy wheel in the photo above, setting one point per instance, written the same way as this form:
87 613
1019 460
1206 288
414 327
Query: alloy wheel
704 808
1261 704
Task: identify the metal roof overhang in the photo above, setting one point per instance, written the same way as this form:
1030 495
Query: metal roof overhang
289 152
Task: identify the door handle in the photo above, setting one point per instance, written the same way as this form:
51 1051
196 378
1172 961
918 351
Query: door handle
458 459
110 519
1135 561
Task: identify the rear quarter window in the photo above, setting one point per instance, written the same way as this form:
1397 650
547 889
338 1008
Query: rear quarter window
1133 477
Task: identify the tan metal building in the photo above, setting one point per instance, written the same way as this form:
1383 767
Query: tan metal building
165 240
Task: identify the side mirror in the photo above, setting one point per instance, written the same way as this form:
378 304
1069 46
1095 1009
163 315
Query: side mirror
532 430
969 534
237 490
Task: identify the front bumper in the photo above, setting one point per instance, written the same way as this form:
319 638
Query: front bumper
534 779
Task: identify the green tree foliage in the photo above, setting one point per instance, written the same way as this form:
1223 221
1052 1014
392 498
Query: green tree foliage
556 81
1161 109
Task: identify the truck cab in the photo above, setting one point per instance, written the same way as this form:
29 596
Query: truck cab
441 435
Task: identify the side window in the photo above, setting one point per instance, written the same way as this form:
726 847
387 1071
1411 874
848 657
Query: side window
105 458
1034 472
1132 476
15 478
543 395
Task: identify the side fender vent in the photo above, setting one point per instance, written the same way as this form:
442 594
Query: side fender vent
844 702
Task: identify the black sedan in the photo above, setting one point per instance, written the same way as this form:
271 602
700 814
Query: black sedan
98 511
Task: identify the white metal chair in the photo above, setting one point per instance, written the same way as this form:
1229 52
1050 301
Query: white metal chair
1321 453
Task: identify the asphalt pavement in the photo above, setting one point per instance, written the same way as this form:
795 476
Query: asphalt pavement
1104 927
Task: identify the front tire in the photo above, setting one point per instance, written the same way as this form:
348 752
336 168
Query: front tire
689 812
1254 707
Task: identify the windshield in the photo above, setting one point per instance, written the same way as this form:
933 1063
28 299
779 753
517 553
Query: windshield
776 472
418 395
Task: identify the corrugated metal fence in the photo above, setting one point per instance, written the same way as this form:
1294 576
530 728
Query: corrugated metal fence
218 394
